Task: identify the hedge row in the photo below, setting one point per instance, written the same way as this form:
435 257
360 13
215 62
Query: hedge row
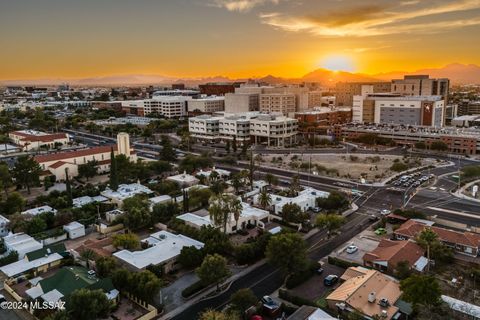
299 277
193 288
296 300
342 263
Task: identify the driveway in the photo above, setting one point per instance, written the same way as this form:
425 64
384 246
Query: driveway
313 288
172 295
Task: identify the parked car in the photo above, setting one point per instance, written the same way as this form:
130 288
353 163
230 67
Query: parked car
316 209
330 280
380 231
372 217
351 249
385 212
267 300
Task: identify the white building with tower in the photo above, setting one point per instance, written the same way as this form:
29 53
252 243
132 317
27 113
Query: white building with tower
58 164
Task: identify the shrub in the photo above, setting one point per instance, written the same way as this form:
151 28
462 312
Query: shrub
193 288
296 300
300 276
341 263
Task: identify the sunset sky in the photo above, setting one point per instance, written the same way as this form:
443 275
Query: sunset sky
235 38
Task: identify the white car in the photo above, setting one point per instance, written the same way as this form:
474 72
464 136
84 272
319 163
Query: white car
385 212
351 249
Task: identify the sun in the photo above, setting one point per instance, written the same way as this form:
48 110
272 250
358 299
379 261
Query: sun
337 63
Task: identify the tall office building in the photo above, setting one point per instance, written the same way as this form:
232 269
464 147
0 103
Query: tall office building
344 91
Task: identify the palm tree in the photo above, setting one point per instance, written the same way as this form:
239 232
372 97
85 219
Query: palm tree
264 199
236 182
427 238
222 207
88 255
295 185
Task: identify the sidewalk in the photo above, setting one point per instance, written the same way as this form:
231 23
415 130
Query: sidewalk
460 192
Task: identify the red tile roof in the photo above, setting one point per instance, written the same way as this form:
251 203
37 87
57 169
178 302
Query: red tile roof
411 228
395 251
45 137
57 164
74 154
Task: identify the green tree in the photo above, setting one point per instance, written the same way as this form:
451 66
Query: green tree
264 199
331 222
163 212
137 211
295 185
243 299
27 172
218 315
167 153
36 225
190 257
113 171
439 146
420 145
227 146
421 290
271 179
85 304
213 269
236 182
160 166
222 208
334 201
287 251
128 241
291 212
399 167
234 144
427 238
105 266
14 203
88 255
145 285
5 178
402 270
88 170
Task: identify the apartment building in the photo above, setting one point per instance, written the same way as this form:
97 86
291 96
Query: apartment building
283 103
421 85
33 139
206 105
163 105
345 91
255 127
399 109
462 141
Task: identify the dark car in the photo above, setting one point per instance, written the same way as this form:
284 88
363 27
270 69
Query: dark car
330 280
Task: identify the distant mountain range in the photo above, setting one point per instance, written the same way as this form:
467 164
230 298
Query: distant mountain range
456 72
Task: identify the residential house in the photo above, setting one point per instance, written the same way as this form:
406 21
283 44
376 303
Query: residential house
467 243
389 253
21 243
74 230
306 199
163 249
368 292
310 313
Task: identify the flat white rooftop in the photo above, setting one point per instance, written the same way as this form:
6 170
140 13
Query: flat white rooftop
22 266
39 210
125 191
165 246
82 201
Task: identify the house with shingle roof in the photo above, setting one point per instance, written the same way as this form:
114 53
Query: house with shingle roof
467 243
386 256
369 292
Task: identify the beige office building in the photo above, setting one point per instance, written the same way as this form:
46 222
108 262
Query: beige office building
283 103
344 91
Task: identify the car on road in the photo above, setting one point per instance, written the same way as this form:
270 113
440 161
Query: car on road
267 300
351 249
372 217
330 280
385 212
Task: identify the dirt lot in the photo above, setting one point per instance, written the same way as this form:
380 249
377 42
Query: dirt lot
465 287
373 168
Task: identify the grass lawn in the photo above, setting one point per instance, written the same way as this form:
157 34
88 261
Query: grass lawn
322 302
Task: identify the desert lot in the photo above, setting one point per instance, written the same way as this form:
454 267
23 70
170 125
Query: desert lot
372 168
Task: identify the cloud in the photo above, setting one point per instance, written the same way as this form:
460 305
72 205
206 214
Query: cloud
375 20
360 50
240 5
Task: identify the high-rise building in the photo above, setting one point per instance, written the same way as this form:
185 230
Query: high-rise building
283 103
241 102
344 91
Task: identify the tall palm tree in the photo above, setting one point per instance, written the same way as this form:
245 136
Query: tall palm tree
427 238
222 207
264 199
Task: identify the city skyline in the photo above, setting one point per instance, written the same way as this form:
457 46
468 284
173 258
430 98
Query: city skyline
232 38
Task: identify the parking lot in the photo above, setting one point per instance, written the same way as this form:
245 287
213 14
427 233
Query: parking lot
363 242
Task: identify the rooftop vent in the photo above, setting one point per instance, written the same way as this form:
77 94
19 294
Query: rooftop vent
372 297
384 302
